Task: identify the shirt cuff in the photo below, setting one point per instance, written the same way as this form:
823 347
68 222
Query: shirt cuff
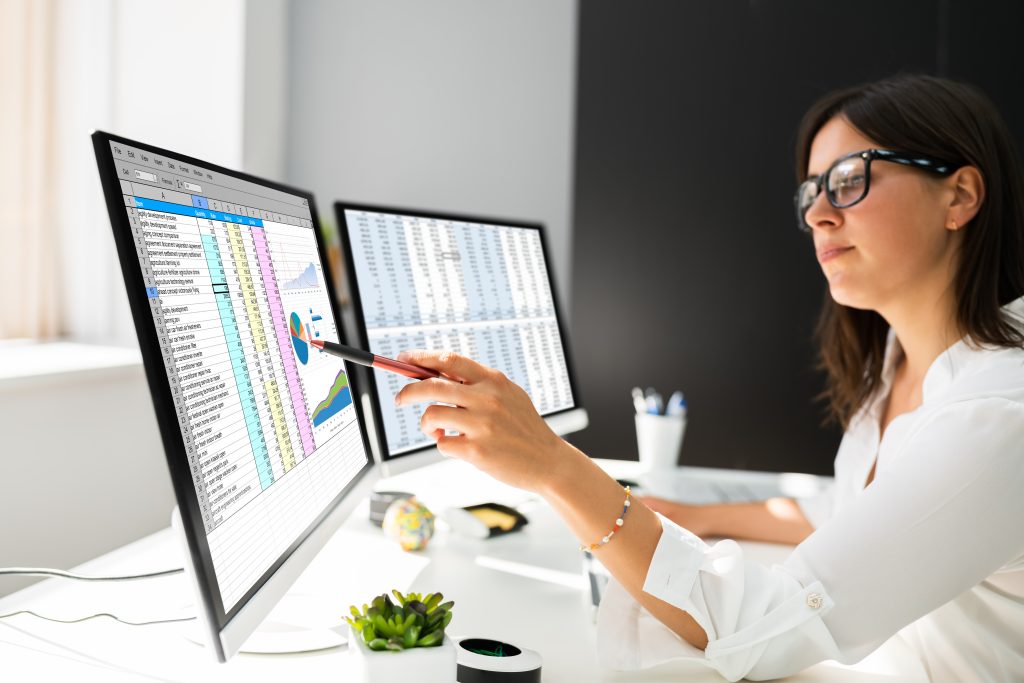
628 636
674 569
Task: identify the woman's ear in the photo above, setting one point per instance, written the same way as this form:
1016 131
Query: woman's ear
968 195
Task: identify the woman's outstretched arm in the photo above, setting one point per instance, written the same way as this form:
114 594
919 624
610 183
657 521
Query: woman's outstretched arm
500 432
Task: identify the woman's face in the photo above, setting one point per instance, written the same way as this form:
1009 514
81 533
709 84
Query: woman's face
893 247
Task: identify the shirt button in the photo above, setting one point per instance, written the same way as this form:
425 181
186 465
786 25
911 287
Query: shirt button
815 601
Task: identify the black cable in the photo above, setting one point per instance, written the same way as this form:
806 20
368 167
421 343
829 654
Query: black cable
42 571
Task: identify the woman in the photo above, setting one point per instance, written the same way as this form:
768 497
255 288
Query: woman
913 197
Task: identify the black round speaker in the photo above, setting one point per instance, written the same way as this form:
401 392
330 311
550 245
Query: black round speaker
482 660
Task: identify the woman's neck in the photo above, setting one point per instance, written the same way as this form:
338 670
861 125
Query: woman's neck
925 328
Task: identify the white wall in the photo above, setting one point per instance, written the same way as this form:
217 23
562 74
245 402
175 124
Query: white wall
454 105
266 88
170 74
83 461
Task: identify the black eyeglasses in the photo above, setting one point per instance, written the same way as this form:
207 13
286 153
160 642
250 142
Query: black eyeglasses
847 180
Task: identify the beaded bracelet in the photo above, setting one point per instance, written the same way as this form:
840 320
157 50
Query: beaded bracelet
618 525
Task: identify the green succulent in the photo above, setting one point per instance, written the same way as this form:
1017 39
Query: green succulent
416 621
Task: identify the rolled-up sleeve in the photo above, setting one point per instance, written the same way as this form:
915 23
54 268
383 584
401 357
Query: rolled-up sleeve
941 519
752 614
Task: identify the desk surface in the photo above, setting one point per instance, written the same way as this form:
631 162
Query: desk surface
526 588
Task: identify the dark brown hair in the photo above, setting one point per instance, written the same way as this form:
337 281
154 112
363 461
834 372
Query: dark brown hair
944 120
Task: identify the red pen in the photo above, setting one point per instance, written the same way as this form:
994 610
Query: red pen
374 361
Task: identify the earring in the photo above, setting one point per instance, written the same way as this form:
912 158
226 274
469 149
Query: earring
954 226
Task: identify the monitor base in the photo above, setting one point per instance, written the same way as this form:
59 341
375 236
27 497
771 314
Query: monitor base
291 628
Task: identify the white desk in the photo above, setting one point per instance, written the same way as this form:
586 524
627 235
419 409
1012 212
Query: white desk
526 588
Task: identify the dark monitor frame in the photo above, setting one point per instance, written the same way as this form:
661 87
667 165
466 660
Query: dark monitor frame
362 338
166 416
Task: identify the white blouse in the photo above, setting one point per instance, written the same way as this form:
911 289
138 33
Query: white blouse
933 548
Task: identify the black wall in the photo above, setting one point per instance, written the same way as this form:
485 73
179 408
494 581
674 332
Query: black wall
688 269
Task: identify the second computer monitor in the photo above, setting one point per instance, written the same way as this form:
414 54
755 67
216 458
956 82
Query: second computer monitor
479 287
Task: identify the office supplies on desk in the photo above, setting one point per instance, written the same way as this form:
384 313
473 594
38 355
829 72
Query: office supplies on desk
381 500
410 523
676 404
485 520
482 660
372 360
659 440
660 428
650 402
654 402
639 402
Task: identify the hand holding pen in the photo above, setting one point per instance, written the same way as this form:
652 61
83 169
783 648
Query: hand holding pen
372 360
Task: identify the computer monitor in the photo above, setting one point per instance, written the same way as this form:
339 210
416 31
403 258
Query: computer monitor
477 286
266 449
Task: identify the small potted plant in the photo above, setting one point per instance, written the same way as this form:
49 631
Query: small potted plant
390 640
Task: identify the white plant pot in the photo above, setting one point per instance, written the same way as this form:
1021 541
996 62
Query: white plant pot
421 664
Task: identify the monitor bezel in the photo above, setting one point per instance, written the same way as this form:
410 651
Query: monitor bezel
166 416
427 453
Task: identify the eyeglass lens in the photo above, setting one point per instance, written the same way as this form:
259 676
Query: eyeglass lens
847 181
845 185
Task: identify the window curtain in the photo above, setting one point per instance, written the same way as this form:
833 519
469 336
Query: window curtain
68 67
29 301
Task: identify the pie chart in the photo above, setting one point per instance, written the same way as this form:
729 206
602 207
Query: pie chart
299 341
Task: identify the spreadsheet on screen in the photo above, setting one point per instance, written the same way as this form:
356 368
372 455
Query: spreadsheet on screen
476 288
236 288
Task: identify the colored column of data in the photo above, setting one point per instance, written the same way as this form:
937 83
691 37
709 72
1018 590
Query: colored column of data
236 353
281 328
252 310
277 414
255 318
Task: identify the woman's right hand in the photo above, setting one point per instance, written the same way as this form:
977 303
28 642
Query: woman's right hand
497 425
690 517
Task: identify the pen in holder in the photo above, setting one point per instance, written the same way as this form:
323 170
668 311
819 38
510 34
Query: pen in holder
659 439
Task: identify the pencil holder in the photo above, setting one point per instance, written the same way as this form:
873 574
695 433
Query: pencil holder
659 438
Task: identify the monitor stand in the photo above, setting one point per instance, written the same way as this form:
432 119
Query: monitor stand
287 629
280 634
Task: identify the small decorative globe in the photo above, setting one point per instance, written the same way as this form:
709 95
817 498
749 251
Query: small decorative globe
409 522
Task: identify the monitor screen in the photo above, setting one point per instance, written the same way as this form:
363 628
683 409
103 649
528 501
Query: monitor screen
479 287
226 279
